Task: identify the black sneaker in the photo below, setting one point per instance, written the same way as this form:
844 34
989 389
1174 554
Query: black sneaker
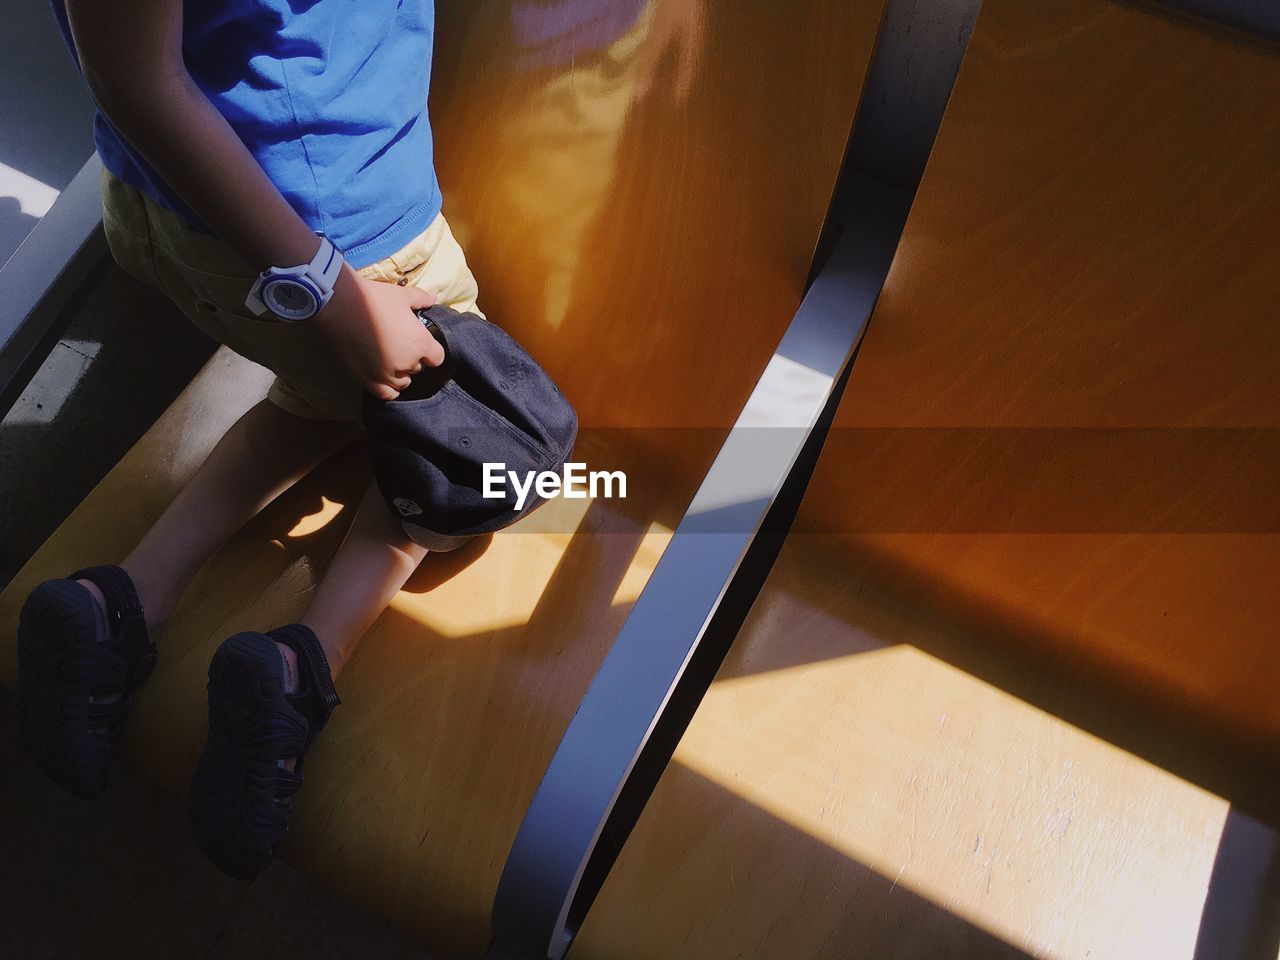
240 795
71 658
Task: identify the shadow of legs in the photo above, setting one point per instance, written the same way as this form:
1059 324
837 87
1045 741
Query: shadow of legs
263 454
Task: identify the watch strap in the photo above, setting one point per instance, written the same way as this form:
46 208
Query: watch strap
325 266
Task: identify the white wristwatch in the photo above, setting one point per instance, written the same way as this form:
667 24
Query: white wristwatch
297 293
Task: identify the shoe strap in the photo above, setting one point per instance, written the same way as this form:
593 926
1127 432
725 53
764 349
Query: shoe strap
124 610
317 697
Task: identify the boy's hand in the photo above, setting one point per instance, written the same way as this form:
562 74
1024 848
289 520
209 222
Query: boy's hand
371 326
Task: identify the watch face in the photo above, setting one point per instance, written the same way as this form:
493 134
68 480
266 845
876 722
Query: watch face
289 299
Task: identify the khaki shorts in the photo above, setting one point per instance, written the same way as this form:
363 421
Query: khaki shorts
209 281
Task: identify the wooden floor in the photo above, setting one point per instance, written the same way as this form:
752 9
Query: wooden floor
858 783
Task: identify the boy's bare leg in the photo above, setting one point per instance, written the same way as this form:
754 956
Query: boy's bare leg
262 454
373 563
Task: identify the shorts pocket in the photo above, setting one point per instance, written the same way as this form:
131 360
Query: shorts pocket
216 292
216 305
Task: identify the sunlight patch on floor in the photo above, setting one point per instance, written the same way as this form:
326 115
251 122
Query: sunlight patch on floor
647 556
506 583
998 812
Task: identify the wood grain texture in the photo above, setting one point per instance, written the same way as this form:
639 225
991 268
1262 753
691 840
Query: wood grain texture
670 232
649 246
1094 246
997 736
846 792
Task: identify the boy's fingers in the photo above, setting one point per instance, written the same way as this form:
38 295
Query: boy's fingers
419 298
432 352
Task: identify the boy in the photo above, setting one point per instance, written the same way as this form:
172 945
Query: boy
268 165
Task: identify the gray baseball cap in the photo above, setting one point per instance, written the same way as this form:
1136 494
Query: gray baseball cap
488 403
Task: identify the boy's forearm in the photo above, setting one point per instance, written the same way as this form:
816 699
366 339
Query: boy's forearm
131 55
197 152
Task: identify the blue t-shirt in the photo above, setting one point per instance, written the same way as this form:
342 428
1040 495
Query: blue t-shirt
330 97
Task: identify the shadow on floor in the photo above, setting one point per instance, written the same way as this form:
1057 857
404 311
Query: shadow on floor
121 877
1241 918
126 353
